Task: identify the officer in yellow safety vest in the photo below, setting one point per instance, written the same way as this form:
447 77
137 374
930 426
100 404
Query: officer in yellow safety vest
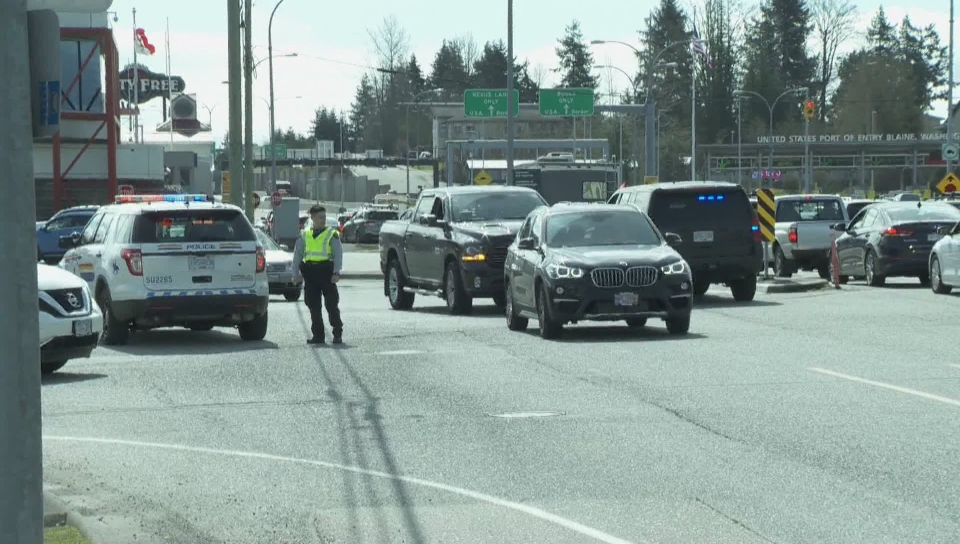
318 261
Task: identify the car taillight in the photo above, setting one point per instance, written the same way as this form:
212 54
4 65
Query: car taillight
757 237
792 234
892 231
261 260
134 260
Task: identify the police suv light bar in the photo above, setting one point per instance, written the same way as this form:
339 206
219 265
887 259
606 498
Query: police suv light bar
140 199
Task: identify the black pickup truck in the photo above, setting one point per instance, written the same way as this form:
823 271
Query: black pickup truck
453 245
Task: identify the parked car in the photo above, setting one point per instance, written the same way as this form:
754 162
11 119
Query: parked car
63 223
70 319
279 268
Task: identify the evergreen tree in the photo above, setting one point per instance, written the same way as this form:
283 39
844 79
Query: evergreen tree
921 49
717 80
881 35
576 60
490 70
415 81
326 126
872 81
449 72
364 122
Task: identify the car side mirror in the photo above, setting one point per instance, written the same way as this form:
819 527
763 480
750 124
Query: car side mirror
284 247
429 220
69 241
673 239
526 243
839 227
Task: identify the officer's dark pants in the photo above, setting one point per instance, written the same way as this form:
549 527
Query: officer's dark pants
318 292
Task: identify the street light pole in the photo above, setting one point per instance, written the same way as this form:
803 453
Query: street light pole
739 144
235 77
950 105
636 95
273 130
771 108
248 109
510 112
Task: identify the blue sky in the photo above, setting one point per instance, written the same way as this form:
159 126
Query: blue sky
334 48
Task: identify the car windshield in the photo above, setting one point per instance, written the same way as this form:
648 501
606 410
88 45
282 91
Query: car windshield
930 212
506 205
192 226
810 210
267 242
600 228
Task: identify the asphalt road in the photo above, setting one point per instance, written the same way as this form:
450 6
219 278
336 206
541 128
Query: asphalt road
829 416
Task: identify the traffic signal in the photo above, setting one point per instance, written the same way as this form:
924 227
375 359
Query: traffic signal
809 110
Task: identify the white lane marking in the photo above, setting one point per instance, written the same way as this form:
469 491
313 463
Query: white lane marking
399 352
954 366
528 414
522 508
890 386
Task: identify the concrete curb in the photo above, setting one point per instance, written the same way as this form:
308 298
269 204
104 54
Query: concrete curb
793 286
56 513
362 275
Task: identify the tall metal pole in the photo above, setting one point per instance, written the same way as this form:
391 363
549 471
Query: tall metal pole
950 105
510 112
808 168
235 76
21 450
248 108
650 131
739 144
273 130
408 150
693 116
136 83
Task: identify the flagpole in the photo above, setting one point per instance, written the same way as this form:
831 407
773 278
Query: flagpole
136 83
169 84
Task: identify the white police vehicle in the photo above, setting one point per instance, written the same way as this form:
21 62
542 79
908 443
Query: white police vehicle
172 261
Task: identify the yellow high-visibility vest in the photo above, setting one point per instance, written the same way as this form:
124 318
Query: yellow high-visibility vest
320 248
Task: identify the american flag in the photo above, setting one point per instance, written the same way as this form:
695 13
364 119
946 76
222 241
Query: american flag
697 45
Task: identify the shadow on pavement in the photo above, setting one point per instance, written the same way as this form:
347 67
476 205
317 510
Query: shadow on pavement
652 332
363 443
713 301
487 310
60 378
185 342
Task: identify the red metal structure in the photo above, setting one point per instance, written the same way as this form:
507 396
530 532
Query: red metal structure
110 120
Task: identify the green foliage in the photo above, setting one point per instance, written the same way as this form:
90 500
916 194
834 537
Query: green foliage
575 59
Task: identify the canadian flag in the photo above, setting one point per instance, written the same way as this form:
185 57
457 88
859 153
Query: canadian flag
623 185
143 44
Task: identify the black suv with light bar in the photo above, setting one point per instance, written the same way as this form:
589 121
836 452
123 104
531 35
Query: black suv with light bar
589 262
718 228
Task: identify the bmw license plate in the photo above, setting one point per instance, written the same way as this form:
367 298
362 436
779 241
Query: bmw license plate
703 236
83 327
626 299
200 263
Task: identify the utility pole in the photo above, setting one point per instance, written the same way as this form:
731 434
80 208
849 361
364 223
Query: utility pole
950 93
21 450
510 112
248 108
235 76
650 131
808 166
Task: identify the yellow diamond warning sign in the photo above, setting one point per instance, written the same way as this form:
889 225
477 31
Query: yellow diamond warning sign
949 184
482 178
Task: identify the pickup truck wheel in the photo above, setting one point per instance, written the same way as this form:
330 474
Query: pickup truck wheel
870 271
514 322
781 266
936 279
744 289
399 299
458 301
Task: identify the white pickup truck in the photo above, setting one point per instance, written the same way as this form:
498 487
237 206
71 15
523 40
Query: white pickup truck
804 233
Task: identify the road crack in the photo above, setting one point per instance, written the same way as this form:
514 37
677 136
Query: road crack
735 521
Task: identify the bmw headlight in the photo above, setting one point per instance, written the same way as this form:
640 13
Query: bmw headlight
473 254
679 267
558 271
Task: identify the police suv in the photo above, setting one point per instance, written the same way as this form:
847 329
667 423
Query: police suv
172 260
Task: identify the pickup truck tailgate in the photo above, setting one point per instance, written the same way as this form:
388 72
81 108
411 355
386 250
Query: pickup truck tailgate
814 235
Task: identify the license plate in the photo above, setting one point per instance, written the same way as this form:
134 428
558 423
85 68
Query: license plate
626 299
934 237
201 263
83 327
273 278
702 236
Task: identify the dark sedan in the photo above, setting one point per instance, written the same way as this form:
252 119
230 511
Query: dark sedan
590 262
892 238
364 227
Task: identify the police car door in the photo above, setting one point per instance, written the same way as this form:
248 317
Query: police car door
197 250
79 260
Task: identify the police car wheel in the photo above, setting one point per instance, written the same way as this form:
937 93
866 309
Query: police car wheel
115 333
255 329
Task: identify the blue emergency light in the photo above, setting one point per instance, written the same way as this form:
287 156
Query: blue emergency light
710 198
136 199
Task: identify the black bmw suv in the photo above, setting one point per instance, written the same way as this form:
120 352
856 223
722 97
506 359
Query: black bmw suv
595 262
